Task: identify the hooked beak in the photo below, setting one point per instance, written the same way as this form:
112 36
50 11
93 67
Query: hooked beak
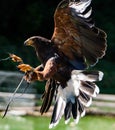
28 42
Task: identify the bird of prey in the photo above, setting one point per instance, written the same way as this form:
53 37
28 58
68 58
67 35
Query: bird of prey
76 45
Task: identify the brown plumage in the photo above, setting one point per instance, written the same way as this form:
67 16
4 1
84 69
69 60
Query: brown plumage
48 95
75 45
77 36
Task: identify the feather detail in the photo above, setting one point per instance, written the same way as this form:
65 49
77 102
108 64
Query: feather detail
57 112
67 112
75 111
85 99
86 75
76 35
48 95
81 108
72 99
89 88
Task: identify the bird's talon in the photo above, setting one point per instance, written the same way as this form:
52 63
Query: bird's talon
25 68
15 58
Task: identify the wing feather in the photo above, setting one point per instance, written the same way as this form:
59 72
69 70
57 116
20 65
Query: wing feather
75 33
48 95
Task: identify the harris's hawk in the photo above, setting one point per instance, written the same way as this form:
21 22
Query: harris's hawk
76 44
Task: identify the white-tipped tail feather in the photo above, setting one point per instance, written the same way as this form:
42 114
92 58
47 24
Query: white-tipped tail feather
72 99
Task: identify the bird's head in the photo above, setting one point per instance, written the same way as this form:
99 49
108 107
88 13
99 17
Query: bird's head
31 41
36 40
41 45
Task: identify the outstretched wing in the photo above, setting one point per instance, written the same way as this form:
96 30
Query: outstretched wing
75 33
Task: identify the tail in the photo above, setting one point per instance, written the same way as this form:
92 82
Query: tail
73 98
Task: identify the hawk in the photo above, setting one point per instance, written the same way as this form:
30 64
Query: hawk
76 45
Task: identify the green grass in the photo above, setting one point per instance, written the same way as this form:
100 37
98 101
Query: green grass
41 123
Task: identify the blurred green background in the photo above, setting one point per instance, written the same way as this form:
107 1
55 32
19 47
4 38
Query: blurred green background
42 123
21 19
